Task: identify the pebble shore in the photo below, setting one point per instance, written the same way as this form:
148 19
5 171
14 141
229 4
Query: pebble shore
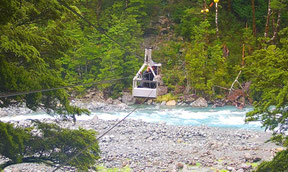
159 147
144 146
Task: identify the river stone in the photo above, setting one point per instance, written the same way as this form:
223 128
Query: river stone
248 156
109 101
29 167
230 168
116 102
245 166
127 98
179 165
200 102
149 102
189 98
171 103
95 119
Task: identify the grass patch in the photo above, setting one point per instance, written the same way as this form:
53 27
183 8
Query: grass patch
198 164
223 170
166 97
220 161
254 164
104 169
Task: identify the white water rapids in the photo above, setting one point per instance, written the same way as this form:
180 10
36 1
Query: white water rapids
228 116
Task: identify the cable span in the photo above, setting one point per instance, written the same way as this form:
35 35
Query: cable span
58 88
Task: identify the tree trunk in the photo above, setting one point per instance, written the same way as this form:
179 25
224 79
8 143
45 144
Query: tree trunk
269 12
243 55
216 20
205 6
188 87
86 67
98 8
254 18
127 2
229 6
276 27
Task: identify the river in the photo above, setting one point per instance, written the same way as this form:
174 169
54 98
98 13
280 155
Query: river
224 117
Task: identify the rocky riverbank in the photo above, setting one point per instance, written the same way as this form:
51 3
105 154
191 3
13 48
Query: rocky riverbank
146 146
98 103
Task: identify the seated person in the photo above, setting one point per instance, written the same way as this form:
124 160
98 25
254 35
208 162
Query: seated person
154 69
148 75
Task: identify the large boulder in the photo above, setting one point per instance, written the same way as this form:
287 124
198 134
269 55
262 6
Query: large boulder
171 103
200 102
190 98
127 98
109 101
94 95
163 103
116 102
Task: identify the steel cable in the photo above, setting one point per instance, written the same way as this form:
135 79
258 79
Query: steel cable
58 88
102 135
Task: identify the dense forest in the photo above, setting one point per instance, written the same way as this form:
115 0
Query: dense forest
202 45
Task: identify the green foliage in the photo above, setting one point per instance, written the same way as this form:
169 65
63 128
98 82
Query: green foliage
249 40
223 170
172 60
32 42
198 164
189 18
118 62
278 5
82 62
49 144
12 142
47 39
243 10
205 64
267 69
278 164
43 45
268 72
142 10
166 97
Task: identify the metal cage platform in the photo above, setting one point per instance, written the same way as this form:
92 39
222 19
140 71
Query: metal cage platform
142 87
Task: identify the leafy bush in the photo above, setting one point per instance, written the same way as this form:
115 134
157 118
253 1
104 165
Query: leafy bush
48 143
278 164
12 142
166 98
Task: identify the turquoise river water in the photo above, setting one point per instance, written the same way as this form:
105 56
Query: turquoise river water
227 116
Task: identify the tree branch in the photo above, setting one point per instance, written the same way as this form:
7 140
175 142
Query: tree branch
221 87
6 164
236 80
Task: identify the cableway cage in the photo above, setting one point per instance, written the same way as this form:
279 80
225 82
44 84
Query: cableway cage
146 80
